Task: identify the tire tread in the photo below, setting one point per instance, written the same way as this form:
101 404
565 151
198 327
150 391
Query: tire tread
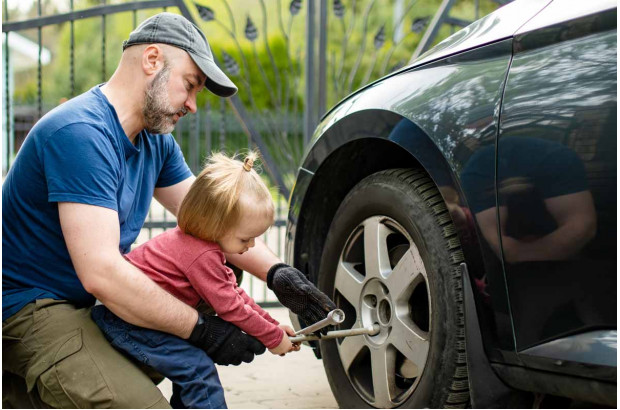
458 396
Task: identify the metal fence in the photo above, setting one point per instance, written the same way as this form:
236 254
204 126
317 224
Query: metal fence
298 66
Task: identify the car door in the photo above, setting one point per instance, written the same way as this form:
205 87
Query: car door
556 175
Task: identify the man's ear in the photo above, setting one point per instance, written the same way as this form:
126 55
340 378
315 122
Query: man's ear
152 59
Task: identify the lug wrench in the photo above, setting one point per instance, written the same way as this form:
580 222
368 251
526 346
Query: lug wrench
335 334
335 317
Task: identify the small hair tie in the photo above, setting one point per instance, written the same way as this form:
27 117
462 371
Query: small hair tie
248 163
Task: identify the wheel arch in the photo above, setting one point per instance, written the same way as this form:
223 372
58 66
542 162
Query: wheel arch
324 195
353 148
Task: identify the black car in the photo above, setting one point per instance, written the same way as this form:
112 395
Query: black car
467 205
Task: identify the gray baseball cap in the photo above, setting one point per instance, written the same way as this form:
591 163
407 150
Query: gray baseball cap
176 30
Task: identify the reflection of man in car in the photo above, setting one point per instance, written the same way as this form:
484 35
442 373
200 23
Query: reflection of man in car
545 208
411 137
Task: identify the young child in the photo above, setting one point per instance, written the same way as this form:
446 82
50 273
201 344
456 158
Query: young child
226 208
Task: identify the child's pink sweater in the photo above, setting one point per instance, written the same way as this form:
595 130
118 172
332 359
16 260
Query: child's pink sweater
192 269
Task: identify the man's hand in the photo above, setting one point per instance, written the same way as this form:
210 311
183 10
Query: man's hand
297 293
224 342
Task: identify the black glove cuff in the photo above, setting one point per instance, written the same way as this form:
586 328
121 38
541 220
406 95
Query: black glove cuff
272 272
196 334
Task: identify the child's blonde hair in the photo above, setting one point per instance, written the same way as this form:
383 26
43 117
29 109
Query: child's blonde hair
212 205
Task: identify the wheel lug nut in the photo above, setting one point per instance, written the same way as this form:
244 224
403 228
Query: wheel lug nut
370 301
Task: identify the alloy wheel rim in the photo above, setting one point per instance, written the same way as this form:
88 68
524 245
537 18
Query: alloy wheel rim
381 279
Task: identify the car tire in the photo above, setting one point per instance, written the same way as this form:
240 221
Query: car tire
398 215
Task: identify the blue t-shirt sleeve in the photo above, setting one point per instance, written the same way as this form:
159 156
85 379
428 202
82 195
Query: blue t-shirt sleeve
478 180
81 165
174 169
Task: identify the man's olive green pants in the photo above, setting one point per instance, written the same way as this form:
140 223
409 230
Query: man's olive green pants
54 355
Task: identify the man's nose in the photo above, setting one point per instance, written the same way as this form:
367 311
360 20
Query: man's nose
190 104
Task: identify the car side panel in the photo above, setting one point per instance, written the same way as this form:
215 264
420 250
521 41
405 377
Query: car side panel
454 104
557 182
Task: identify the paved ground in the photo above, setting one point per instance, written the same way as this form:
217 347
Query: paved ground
296 380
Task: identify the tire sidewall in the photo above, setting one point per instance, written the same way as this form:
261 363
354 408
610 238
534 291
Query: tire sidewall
386 195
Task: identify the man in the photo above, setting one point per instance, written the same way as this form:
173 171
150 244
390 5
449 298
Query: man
79 192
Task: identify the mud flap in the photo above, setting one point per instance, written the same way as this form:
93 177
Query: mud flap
486 390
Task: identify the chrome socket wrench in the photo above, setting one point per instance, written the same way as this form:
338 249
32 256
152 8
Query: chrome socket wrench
335 334
335 317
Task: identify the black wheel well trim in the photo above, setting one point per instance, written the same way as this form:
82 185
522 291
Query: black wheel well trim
486 388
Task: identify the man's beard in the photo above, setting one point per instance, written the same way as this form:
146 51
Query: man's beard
158 111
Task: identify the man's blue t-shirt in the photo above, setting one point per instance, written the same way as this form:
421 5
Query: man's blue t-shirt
553 169
78 152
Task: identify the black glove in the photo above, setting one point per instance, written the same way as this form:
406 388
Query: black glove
297 293
224 342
